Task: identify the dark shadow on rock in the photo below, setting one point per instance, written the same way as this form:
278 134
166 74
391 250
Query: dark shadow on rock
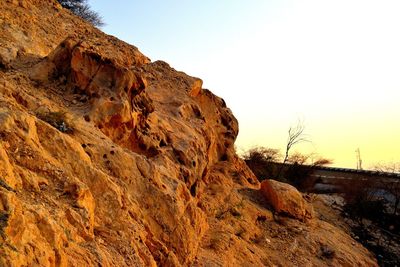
256 197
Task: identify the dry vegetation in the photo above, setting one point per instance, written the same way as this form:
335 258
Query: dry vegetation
373 220
267 163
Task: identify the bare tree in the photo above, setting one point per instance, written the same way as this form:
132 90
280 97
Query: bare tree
295 136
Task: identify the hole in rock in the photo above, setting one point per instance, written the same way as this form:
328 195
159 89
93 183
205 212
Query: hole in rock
162 143
224 157
193 189
261 218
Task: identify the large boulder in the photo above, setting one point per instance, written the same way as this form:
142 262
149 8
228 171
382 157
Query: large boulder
285 199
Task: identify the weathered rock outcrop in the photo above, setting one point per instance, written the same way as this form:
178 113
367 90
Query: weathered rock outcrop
109 159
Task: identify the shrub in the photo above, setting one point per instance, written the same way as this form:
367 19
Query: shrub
262 161
362 201
82 9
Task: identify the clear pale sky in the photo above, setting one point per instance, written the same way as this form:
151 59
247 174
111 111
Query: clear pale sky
333 64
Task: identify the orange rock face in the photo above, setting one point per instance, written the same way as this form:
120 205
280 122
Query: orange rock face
109 159
285 199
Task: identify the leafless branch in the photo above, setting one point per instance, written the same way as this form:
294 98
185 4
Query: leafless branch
295 136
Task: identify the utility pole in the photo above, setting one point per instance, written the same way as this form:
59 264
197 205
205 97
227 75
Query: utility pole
359 161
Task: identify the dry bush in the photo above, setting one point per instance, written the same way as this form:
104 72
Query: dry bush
261 161
82 9
361 200
393 187
380 233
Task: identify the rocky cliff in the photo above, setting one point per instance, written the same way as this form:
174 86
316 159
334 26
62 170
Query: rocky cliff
109 159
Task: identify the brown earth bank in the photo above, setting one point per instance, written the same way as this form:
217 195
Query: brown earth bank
109 159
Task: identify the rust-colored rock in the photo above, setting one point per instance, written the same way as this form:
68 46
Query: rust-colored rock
285 199
109 159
